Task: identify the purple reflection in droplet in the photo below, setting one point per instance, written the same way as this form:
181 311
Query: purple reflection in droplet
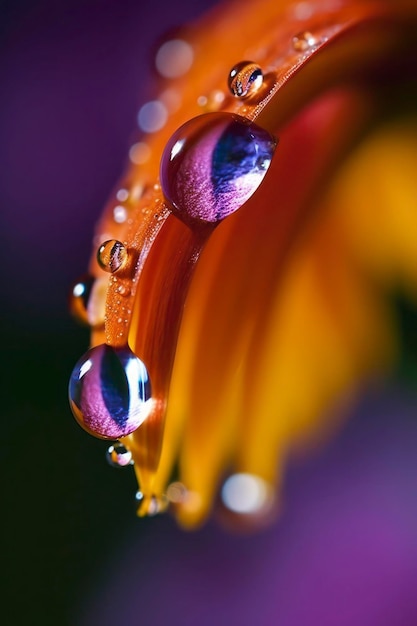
109 392
213 164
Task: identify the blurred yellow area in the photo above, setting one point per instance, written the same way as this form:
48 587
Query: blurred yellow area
281 379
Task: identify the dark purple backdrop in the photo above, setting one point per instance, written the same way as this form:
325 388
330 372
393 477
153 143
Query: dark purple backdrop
72 76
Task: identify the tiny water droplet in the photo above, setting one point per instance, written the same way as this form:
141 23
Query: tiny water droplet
80 296
124 290
213 101
150 505
245 78
152 116
122 195
303 41
119 214
87 300
177 492
112 255
213 164
139 153
174 58
118 455
110 392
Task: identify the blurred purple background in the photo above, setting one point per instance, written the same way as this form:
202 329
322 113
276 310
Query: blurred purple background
72 77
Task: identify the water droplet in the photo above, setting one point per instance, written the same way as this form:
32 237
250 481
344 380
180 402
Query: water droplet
176 492
118 455
150 505
174 58
303 41
247 494
124 290
152 116
139 153
119 214
80 296
122 195
213 164
245 79
87 300
109 392
112 255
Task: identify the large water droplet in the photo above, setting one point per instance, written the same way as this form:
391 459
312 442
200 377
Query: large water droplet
213 164
245 78
118 455
109 392
112 255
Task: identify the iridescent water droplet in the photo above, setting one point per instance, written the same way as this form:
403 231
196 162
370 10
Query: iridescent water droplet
303 41
245 78
213 164
112 255
109 392
118 455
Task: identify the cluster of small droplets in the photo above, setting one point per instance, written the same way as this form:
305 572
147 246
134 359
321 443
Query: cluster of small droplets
245 79
121 309
112 255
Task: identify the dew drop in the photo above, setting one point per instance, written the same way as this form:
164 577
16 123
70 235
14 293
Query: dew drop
118 455
303 41
139 153
152 116
174 58
245 79
246 494
119 214
150 505
213 164
122 195
124 290
87 300
112 255
109 392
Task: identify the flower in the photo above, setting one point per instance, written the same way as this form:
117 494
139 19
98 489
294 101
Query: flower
255 327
